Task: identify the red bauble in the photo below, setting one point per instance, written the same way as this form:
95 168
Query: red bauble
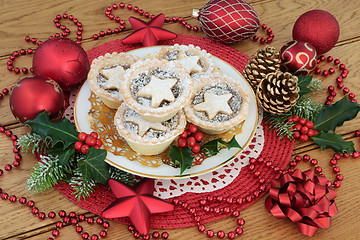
62 60
33 95
319 28
298 57
228 21
138 204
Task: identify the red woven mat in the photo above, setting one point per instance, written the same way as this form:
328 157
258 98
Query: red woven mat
279 152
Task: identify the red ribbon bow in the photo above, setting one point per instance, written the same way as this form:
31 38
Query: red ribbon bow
303 198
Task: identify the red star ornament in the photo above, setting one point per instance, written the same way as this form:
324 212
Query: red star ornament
137 204
148 33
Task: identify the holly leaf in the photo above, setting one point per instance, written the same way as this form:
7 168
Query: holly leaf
334 141
214 146
65 156
182 157
331 116
93 166
58 131
303 83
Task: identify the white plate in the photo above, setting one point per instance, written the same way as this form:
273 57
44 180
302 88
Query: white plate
82 107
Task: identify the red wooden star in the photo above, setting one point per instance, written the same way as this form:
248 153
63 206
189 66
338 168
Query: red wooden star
137 204
148 33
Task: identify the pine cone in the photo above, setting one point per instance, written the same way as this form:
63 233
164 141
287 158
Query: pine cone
278 92
265 61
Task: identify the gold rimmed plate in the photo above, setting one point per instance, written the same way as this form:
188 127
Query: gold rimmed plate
83 106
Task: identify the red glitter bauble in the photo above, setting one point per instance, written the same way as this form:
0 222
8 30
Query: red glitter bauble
33 95
228 21
62 60
319 28
298 57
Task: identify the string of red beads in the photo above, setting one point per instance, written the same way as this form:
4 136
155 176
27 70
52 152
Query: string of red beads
154 235
339 79
268 31
65 32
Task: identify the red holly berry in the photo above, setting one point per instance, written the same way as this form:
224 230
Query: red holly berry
290 119
296 134
195 148
304 129
191 141
90 141
94 134
311 132
78 145
192 128
315 132
199 136
309 124
184 134
85 148
99 142
295 118
298 127
302 121
304 138
82 136
182 142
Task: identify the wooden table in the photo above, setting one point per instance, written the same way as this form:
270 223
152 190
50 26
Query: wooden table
19 18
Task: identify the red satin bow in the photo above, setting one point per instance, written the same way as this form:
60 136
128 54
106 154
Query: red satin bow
303 198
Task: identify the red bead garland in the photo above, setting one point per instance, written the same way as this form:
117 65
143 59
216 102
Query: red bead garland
339 80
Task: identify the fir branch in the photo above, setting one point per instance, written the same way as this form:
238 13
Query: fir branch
122 176
33 141
315 85
306 107
83 189
46 173
280 124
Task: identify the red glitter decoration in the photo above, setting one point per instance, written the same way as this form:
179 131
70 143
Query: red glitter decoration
319 28
298 57
33 95
303 198
138 204
229 21
62 60
148 33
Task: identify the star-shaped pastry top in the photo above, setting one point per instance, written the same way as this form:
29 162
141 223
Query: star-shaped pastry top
114 77
148 33
144 125
138 204
158 90
214 104
190 63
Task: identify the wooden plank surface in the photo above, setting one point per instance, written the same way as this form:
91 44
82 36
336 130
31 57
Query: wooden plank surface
19 18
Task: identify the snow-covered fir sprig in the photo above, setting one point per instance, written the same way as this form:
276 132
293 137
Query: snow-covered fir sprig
34 142
83 189
46 173
315 85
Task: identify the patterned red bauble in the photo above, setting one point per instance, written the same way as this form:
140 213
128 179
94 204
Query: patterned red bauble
228 21
319 28
31 96
298 57
62 60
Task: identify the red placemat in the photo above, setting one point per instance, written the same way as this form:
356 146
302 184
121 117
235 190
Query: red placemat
275 150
